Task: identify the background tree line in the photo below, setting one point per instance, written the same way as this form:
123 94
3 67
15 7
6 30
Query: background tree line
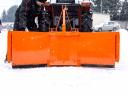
9 15
117 9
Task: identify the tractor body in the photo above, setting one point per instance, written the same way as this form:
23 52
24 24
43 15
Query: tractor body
65 38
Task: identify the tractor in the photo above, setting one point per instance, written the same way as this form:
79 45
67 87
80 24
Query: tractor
76 16
65 38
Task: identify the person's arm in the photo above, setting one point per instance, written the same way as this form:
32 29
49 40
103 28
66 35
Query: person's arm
23 11
39 3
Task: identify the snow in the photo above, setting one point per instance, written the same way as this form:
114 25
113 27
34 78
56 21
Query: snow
64 81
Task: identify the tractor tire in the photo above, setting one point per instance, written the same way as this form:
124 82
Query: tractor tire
44 21
43 27
86 23
100 29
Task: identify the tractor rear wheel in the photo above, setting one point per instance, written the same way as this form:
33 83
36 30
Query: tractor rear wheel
86 23
43 27
44 21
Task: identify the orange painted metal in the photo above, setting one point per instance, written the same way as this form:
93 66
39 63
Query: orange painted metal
30 48
64 21
97 48
117 48
63 48
9 47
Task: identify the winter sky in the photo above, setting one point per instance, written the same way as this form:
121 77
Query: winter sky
6 4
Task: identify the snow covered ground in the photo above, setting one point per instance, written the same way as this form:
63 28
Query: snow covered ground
65 81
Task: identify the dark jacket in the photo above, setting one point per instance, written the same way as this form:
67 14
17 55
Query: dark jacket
0 26
26 13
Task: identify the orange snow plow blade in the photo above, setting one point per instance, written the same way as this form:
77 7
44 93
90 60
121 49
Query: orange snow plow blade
63 48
